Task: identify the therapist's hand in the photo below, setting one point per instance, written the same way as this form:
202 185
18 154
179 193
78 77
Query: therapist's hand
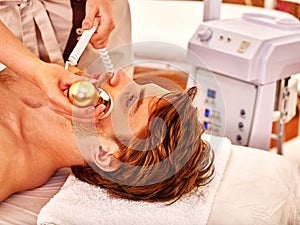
101 10
53 81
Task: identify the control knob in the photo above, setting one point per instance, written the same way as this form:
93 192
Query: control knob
204 33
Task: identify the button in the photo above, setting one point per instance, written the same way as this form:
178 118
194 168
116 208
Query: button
205 124
243 112
241 125
207 112
239 138
79 31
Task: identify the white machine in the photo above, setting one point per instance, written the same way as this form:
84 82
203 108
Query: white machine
248 57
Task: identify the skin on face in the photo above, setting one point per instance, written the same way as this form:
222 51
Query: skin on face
129 116
131 104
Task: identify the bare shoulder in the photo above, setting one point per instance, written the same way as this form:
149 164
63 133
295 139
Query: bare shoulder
20 168
8 154
26 91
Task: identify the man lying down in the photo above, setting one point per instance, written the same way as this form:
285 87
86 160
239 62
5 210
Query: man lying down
151 150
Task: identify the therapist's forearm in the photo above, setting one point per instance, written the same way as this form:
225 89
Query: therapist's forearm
16 56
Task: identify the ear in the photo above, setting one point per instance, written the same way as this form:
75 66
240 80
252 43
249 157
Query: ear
192 92
105 158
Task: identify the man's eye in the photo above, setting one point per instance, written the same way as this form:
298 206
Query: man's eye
130 100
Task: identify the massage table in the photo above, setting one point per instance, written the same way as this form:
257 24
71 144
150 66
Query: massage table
253 187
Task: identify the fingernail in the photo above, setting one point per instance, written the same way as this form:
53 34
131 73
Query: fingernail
102 107
86 27
93 81
91 109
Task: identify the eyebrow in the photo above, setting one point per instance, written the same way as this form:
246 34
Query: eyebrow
140 100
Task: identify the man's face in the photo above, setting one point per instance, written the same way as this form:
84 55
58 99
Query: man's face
131 104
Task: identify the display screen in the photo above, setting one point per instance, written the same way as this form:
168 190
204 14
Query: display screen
211 93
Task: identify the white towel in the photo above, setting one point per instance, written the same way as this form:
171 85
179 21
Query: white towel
80 203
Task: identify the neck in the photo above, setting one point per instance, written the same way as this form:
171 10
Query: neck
65 151
87 139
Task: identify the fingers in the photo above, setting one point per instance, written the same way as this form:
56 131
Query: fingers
99 112
65 82
101 10
91 12
64 107
59 102
88 114
105 27
53 81
101 36
83 115
97 41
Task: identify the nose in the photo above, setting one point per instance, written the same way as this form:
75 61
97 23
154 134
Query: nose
120 78
116 83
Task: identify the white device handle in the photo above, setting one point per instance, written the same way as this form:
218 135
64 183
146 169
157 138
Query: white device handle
80 46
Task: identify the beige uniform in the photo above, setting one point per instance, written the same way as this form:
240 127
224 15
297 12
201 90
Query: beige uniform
44 27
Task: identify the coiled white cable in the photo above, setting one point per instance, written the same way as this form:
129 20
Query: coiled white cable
105 58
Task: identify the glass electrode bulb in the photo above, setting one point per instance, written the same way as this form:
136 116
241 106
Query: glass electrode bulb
83 94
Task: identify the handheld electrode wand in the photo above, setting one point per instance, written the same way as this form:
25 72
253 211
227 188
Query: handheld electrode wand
80 47
83 93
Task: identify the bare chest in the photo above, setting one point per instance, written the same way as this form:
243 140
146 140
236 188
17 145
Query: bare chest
25 125
19 169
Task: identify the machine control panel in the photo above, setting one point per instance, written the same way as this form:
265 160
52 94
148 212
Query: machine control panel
204 34
236 47
226 41
223 112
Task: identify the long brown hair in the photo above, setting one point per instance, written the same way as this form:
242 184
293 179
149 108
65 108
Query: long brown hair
171 161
